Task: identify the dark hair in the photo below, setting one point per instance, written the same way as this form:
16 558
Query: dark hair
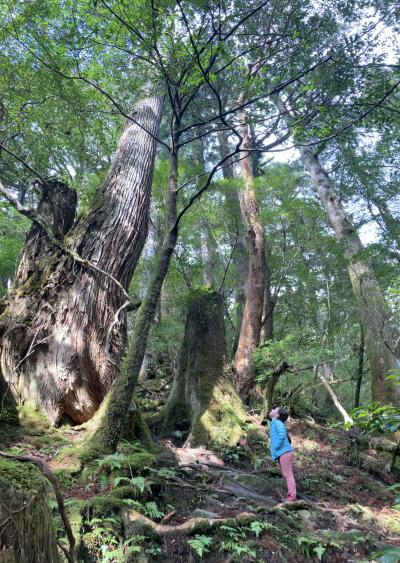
283 414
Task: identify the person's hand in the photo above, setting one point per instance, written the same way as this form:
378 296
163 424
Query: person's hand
243 442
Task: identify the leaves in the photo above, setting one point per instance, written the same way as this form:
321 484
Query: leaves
200 544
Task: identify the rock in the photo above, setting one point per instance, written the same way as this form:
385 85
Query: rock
257 483
308 518
200 513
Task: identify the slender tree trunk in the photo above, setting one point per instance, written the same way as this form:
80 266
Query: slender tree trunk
273 380
207 244
381 345
151 250
207 254
252 316
240 256
391 224
203 400
56 317
360 369
267 330
110 419
326 370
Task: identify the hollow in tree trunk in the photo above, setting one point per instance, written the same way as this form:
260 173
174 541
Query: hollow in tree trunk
55 319
203 400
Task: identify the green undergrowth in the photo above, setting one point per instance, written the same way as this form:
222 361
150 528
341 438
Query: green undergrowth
146 480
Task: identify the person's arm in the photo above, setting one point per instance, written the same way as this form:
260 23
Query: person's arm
280 431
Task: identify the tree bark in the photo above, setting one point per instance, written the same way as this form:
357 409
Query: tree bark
267 330
240 256
381 345
207 244
203 400
252 315
360 368
110 419
207 254
26 528
56 317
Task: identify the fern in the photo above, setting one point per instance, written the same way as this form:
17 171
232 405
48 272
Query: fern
138 482
113 461
257 527
200 544
151 510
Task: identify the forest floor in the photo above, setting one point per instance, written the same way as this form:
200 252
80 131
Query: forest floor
178 504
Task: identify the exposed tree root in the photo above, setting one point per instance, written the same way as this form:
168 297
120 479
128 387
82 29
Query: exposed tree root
136 523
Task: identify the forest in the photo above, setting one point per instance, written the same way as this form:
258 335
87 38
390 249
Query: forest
199 237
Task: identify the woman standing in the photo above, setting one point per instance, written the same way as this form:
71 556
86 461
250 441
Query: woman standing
281 449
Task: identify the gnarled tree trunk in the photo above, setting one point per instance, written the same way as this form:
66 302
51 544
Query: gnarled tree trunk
55 319
381 345
203 400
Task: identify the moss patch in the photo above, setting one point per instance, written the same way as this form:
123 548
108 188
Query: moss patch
32 420
24 477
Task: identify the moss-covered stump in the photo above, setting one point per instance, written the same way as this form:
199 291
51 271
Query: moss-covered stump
8 406
26 529
203 400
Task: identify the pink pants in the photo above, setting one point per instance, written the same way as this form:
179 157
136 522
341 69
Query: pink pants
286 461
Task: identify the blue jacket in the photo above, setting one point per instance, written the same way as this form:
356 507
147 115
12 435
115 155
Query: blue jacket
278 440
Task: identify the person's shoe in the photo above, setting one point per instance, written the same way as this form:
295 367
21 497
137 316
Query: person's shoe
288 499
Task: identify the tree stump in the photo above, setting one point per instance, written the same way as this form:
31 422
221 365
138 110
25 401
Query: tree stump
26 529
203 400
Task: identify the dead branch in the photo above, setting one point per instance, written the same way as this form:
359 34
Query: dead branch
336 402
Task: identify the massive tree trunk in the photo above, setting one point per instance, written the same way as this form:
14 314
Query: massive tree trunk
252 315
110 419
240 258
203 400
55 319
374 314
